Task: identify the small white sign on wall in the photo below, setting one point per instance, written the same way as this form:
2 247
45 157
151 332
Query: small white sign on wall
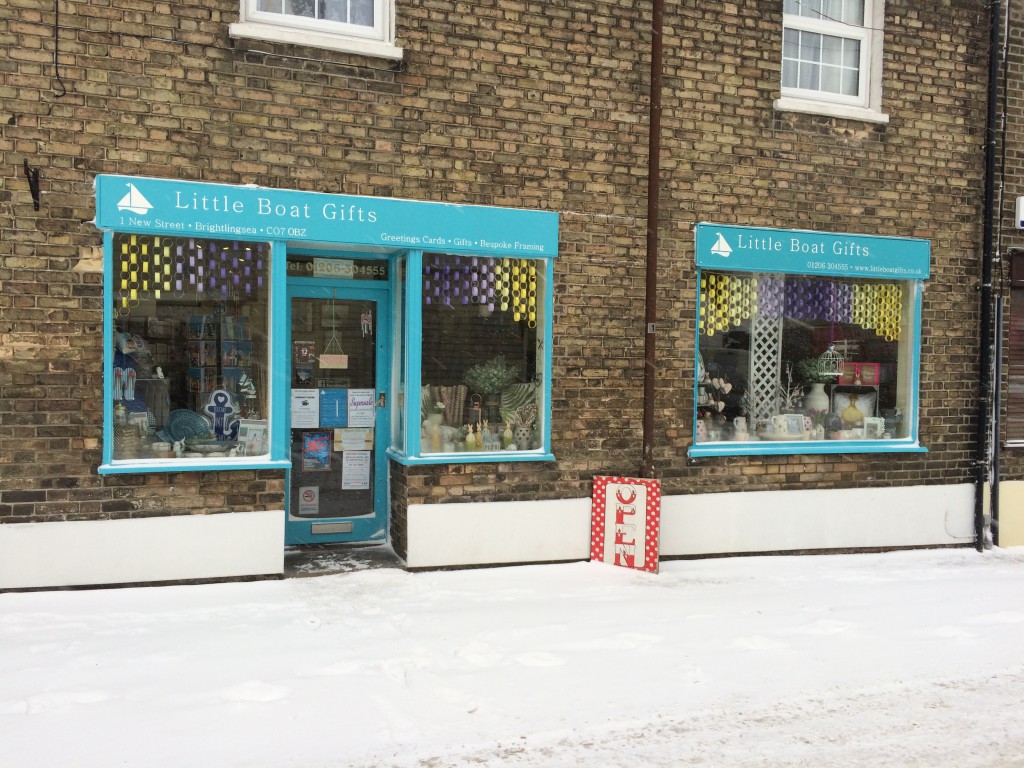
309 500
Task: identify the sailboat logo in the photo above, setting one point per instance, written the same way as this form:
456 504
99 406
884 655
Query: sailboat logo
721 248
134 201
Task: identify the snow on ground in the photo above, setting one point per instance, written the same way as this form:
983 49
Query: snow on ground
911 658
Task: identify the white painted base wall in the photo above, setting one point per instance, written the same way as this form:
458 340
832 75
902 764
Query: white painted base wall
498 532
79 553
721 523
190 547
1011 513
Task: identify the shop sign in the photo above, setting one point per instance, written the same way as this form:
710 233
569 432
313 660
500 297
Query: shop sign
799 251
334 361
300 265
625 523
199 209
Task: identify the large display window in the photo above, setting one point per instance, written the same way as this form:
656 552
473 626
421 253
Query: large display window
189 350
479 359
196 321
816 351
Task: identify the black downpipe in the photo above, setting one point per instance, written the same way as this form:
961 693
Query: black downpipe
653 202
985 352
999 268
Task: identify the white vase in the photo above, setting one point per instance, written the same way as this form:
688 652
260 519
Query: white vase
816 399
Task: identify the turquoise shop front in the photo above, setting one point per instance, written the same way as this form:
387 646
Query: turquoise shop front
321 334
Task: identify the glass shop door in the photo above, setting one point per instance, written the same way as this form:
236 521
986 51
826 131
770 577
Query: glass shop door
338 375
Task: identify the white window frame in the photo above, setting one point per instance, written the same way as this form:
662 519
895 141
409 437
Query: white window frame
377 41
867 105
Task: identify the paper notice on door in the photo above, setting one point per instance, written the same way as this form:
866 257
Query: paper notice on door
361 407
355 472
305 408
358 439
333 408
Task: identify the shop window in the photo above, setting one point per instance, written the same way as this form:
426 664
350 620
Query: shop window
832 57
806 363
355 26
188 362
482 393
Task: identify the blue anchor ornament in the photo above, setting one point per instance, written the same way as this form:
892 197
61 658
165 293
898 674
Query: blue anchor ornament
221 410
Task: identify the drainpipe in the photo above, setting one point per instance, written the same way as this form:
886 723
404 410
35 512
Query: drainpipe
984 437
1000 297
653 200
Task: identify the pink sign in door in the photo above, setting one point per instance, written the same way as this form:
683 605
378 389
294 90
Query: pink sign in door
625 525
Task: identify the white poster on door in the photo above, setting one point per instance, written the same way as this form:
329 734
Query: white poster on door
358 439
361 407
355 472
305 408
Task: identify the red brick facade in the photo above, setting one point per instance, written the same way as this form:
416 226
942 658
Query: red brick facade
506 103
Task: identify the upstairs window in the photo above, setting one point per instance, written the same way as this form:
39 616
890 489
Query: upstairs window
355 26
831 57
357 12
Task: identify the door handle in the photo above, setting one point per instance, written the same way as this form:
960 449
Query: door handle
382 400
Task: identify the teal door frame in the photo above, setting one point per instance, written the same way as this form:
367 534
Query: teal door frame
367 528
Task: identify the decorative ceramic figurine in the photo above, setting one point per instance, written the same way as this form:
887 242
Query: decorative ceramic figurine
851 414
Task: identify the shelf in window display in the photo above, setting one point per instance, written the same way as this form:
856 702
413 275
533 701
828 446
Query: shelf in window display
783 436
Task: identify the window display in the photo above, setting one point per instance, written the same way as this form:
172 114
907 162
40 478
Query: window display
789 357
189 373
481 363
806 339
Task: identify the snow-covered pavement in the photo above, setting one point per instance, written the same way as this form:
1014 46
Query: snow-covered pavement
901 659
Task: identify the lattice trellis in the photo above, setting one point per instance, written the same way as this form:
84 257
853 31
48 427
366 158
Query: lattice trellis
765 366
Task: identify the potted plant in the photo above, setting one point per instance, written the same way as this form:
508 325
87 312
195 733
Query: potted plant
490 377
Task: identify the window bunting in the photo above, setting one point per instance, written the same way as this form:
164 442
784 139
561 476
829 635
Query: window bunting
728 300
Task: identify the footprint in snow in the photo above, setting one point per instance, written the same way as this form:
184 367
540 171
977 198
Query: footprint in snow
479 654
538 659
255 690
757 643
998 617
823 627
49 702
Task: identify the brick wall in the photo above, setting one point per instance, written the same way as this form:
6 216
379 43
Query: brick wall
499 102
